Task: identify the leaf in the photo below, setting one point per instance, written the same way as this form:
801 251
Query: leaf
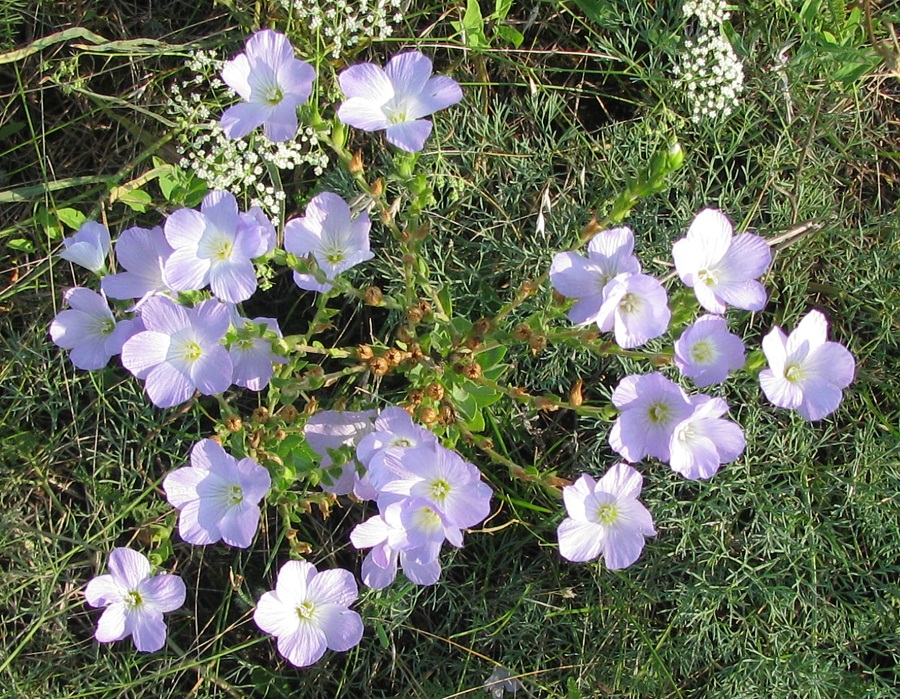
136 200
20 244
473 25
501 9
491 357
73 218
513 36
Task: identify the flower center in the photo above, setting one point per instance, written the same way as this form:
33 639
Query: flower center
703 352
334 256
707 277
629 303
402 442
133 599
235 495
793 373
428 520
306 611
440 489
224 250
273 95
192 351
658 412
607 514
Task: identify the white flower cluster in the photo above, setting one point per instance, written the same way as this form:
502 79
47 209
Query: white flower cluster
344 23
709 71
234 165
709 13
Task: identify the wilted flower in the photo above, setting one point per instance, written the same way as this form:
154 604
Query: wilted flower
89 331
217 495
605 518
720 267
806 372
88 247
272 84
395 98
135 601
308 612
329 232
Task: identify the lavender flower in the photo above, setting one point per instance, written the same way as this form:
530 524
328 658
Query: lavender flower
704 441
218 496
635 308
135 601
605 518
88 247
179 351
330 431
586 279
215 246
143 254
806 372
308 612
272 84
89 331
251 353
328 232
722 268
651 407
396 98
706 351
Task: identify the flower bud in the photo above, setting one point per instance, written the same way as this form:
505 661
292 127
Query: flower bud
414 314
428 415
522 332
234 423
415 395
379 366
481 327
288 413
435 391
260 415
447 415
364 352
472 370
575 396
377 188
356 163
538 343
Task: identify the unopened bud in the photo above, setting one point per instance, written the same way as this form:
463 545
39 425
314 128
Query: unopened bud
364 352
473 342
416 354
394 356
447 415
415 395
435 391
414 314
373 296
481 327
575 396
280 435
234 424
356 163
377 188
526 288
288 413
425 307
260 415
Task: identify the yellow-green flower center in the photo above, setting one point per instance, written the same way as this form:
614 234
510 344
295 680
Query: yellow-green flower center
707 277
703 352
334 256
793 373
274 95
224 251
658 412
607 514
133 599
192 351
235 495
440 489
629 303
306 611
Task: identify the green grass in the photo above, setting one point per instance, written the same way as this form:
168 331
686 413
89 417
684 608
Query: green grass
778 577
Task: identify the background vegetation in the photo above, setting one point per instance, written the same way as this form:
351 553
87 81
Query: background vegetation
777 577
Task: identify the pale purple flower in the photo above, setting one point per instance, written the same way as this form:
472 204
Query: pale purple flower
722 268
635 308
135 601
387 536
217 495
439 476
89 331
586 278
251 353
216 246
272 84
143 253
605 518
308 612
329 232
88 247
706 351
396 98
651 406
180 351
704 441
330 431
806 372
